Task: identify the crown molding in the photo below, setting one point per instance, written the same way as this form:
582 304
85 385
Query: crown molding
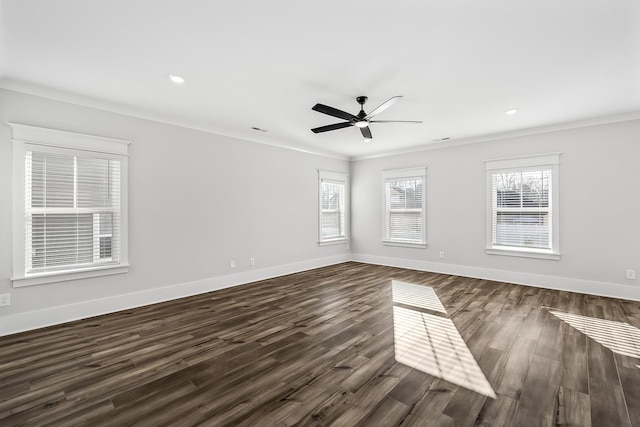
576 124
104 105
111 107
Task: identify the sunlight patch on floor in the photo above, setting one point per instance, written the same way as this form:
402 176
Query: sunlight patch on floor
431 343
619 337
416 296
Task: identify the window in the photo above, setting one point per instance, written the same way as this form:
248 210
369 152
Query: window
523 206
70 206
404 221
333 202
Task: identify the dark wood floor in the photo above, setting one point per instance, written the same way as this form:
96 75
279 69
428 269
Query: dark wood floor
320 348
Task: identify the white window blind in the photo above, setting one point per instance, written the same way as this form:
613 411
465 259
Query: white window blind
523 206
333 205
521 209
70 204
404 220
72 212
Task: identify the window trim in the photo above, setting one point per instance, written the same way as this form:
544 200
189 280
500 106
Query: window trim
339 178
26 137
399 174
520 164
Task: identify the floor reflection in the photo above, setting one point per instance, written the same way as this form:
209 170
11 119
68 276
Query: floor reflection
619 337
430 342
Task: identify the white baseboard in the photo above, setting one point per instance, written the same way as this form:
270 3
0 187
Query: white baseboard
65 313
589 287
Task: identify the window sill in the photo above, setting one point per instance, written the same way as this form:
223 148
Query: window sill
404 244
333 242
524 253
63 276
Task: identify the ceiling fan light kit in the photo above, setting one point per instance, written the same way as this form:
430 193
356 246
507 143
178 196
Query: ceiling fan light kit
361 120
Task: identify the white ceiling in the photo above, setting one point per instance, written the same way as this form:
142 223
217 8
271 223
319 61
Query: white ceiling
458 63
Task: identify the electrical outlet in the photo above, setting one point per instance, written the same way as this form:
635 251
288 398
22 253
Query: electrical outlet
5 299
441 254
232 264
631 274
252 261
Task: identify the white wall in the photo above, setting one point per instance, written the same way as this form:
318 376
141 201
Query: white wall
599 210
196 201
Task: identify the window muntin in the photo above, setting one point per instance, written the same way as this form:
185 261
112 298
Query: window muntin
333 216
404 205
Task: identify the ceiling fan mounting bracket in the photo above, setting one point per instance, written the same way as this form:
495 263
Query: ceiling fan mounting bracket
361 100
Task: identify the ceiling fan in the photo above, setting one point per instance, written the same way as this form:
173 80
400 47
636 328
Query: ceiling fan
361 120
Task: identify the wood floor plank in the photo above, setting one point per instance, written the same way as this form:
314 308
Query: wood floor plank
538 401
318 348
573 408
630 380
426 412
512 377
551 339
497 412
389 412
605 391
574 364
464 407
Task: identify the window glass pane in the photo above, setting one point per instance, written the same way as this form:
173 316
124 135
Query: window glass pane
332 212
530 229
535 188
405 226
508 187
331 224
35 169
105 223
405 194
61 240
93 182
397 195
331 195
51 180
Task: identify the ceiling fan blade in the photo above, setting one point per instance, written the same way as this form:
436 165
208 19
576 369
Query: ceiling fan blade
332 127
386 104
366 132
321 108
395 121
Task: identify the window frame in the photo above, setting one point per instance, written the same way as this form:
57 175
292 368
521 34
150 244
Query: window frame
539 162
28 138
338 178
399 174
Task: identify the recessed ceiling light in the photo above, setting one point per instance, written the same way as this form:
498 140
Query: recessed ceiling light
176 78
511 112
